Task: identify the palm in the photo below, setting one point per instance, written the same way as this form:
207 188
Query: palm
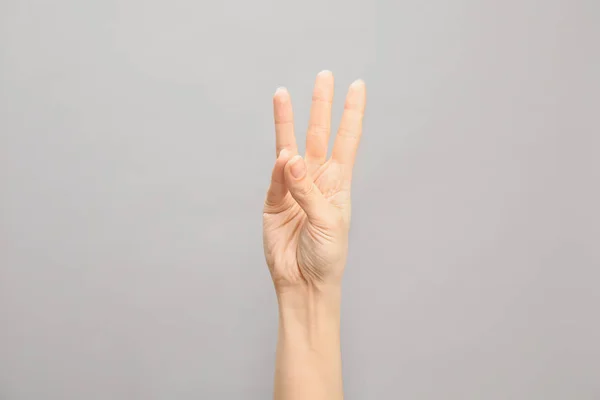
301 246
306 220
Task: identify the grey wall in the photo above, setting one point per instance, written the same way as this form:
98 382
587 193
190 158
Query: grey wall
136 146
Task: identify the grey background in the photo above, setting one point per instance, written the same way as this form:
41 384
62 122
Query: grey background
137 143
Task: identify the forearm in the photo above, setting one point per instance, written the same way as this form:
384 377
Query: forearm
308 364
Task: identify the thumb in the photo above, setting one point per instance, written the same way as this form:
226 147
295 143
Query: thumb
303 189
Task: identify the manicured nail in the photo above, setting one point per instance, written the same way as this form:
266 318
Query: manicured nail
298 168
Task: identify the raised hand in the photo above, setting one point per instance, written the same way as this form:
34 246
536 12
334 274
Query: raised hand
307 209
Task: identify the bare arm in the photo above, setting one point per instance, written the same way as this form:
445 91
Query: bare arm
309 364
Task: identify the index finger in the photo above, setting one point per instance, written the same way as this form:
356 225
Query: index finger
284 122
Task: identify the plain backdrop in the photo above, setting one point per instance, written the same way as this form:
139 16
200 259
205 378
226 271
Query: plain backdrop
136 148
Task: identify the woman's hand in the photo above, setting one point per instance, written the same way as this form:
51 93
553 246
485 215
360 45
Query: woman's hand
305 231
307 210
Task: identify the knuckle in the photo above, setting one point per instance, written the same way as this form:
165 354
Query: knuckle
318 129
354 110
283 121
348 133
322 98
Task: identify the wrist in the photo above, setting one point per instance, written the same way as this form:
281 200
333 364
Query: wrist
322 300
310 314
308 349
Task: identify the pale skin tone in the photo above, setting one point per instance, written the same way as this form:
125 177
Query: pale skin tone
306 220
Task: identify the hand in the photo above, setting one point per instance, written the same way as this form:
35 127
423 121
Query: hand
307 209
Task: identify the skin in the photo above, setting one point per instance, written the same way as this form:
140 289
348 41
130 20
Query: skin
306 219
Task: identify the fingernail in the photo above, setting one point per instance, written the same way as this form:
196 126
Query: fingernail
358 83
298 168
284 153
